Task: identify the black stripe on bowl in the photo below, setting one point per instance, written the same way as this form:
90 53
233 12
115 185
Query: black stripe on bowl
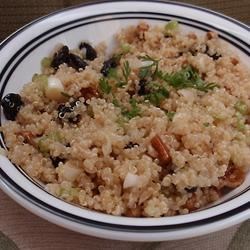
114 227
72 22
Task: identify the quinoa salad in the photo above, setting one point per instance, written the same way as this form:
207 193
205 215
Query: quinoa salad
159 127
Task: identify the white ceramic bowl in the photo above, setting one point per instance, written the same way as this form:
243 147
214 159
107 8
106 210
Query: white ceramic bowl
20 57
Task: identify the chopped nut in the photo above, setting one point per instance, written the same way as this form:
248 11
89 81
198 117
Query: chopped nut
234 177
234 61
211 35
162 150
192 36
141 29
191 203
28 137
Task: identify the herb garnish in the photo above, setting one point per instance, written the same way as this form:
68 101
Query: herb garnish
104 86
186 78
116 103
128 113
112 73
156 94
170 115
126 70
147 71
134 110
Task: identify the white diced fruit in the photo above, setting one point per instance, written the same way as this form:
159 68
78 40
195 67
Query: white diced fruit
131 180
67 173
54 89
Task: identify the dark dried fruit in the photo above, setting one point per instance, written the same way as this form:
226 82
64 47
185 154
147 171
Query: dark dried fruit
107 65
72 60
62 110
75 119
11 104
56 161
60 57
191 189
68 112
215 56
142 87
165 171
131 145
193 52
76 62
90 51
88 93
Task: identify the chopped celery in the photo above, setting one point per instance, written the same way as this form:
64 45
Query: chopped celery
44 142
240 122
42 80
69 193
125 48
46 62
206 124
241 107
55 136
170 115
43 145
171 27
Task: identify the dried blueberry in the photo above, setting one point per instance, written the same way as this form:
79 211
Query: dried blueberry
60 57
191 189
90 51
56 161
215 56
131 145
75 119
107 65
63 110
76 62
63 56
11 104
69 113
75 103
142 87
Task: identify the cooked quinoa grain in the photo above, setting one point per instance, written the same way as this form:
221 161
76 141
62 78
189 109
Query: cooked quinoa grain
158 128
